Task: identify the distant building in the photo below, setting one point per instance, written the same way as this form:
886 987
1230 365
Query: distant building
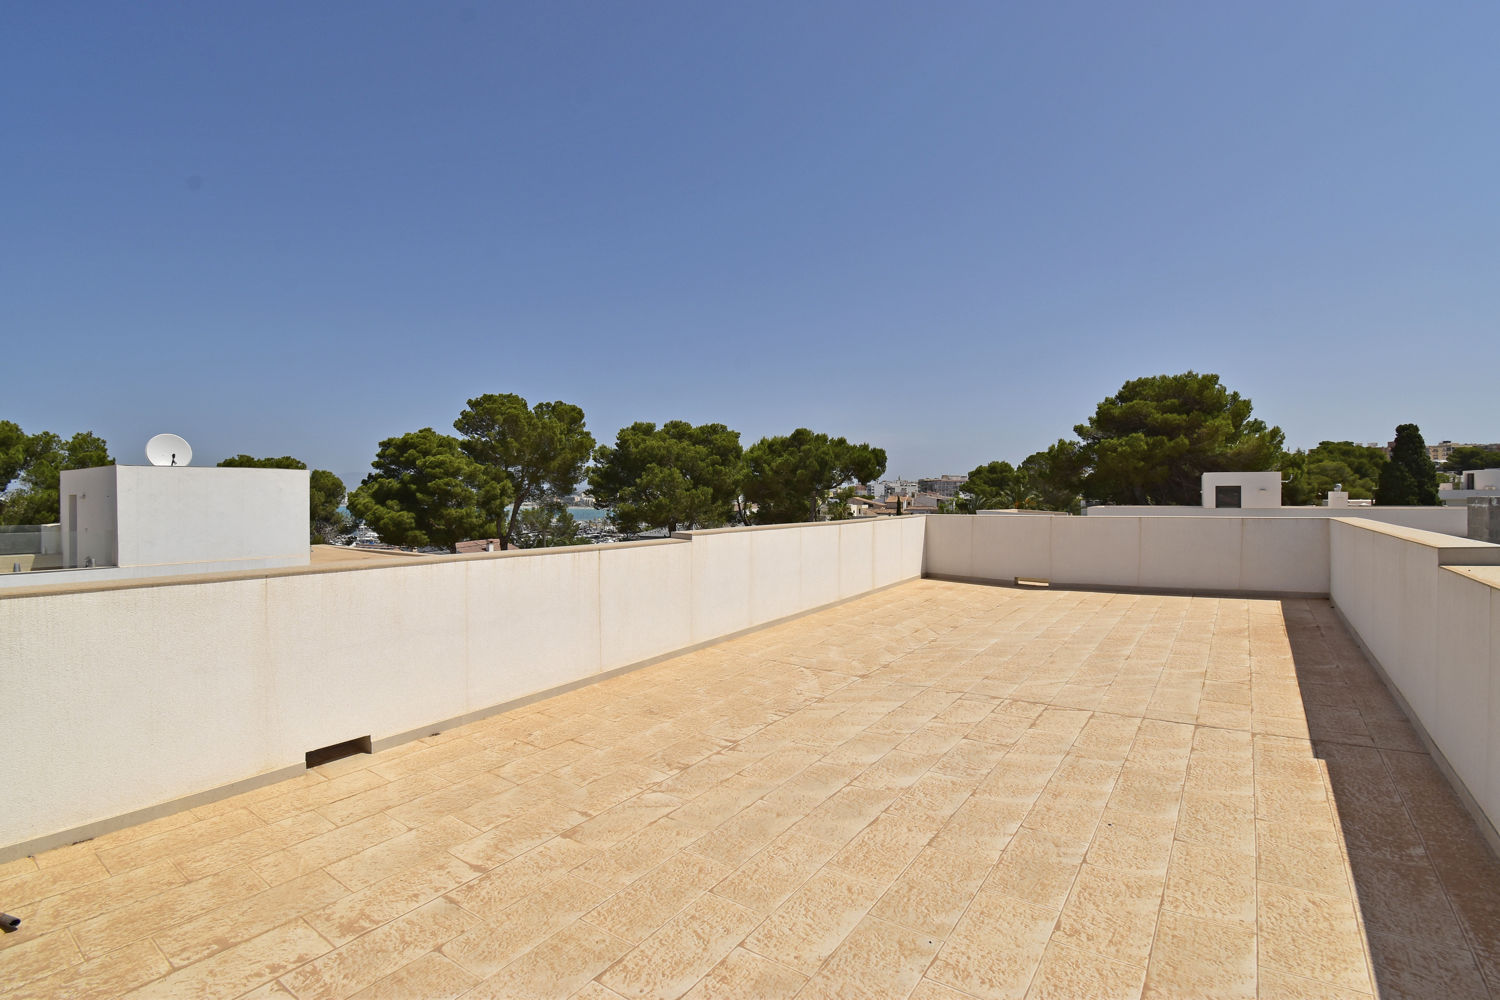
1442 451
1242 489
888 488
943 486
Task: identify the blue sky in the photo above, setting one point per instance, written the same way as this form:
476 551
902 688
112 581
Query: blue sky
946 229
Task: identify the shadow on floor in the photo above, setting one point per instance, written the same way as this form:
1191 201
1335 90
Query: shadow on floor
1427 883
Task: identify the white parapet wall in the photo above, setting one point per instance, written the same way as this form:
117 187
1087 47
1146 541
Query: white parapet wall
1448 520
1426 607
122 699
1223 555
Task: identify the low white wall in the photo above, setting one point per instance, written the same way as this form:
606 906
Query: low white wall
1248 554
1432 623
1448 520
118 700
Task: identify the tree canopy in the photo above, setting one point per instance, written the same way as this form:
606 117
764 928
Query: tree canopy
1470 457
1151 442
539 451
788 478
668 476
251 462
426 491
548 525
994 486
1409 478
31 467
1314 474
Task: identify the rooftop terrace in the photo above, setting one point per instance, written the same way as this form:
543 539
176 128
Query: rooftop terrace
939 790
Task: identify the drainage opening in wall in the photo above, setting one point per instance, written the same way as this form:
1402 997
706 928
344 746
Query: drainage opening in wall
1031 581
338 751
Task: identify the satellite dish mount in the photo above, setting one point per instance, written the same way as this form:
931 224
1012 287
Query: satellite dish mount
169 450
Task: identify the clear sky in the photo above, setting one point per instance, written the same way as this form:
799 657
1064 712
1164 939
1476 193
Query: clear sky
946 229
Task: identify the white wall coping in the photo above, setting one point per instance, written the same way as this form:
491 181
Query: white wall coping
1472 548
1487 575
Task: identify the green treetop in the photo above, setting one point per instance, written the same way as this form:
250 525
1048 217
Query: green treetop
1470 457
539 451
1313 474
668 477
1151 442
32 466
426 490
788 478
1409 478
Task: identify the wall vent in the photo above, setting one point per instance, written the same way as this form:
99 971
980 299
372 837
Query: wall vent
338 751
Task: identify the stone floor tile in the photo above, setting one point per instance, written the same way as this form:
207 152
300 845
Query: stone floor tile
105 896
635 855
432 977
1282 986
876 960
489 947
180 840
1194 958
882 850
1067 973
1037 867
1112 913
107 977
380 953
558 967
251 845
996 948
164 910
1412 968
1309 935
933 892
26 960
651 900
491 892
232 923
804 930
767 879
1211 883
315 852
666 965
744 975
241 968
357 912
929 990
399 853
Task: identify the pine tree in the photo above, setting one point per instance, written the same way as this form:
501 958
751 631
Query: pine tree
1409 478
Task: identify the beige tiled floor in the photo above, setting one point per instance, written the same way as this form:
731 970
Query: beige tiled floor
939 791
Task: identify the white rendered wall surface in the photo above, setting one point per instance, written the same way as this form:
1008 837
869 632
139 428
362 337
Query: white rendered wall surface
1257 489
1448 520
118 700
87 501
192 515
1427 607
1246 554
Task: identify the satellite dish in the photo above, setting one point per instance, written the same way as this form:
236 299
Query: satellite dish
168 449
